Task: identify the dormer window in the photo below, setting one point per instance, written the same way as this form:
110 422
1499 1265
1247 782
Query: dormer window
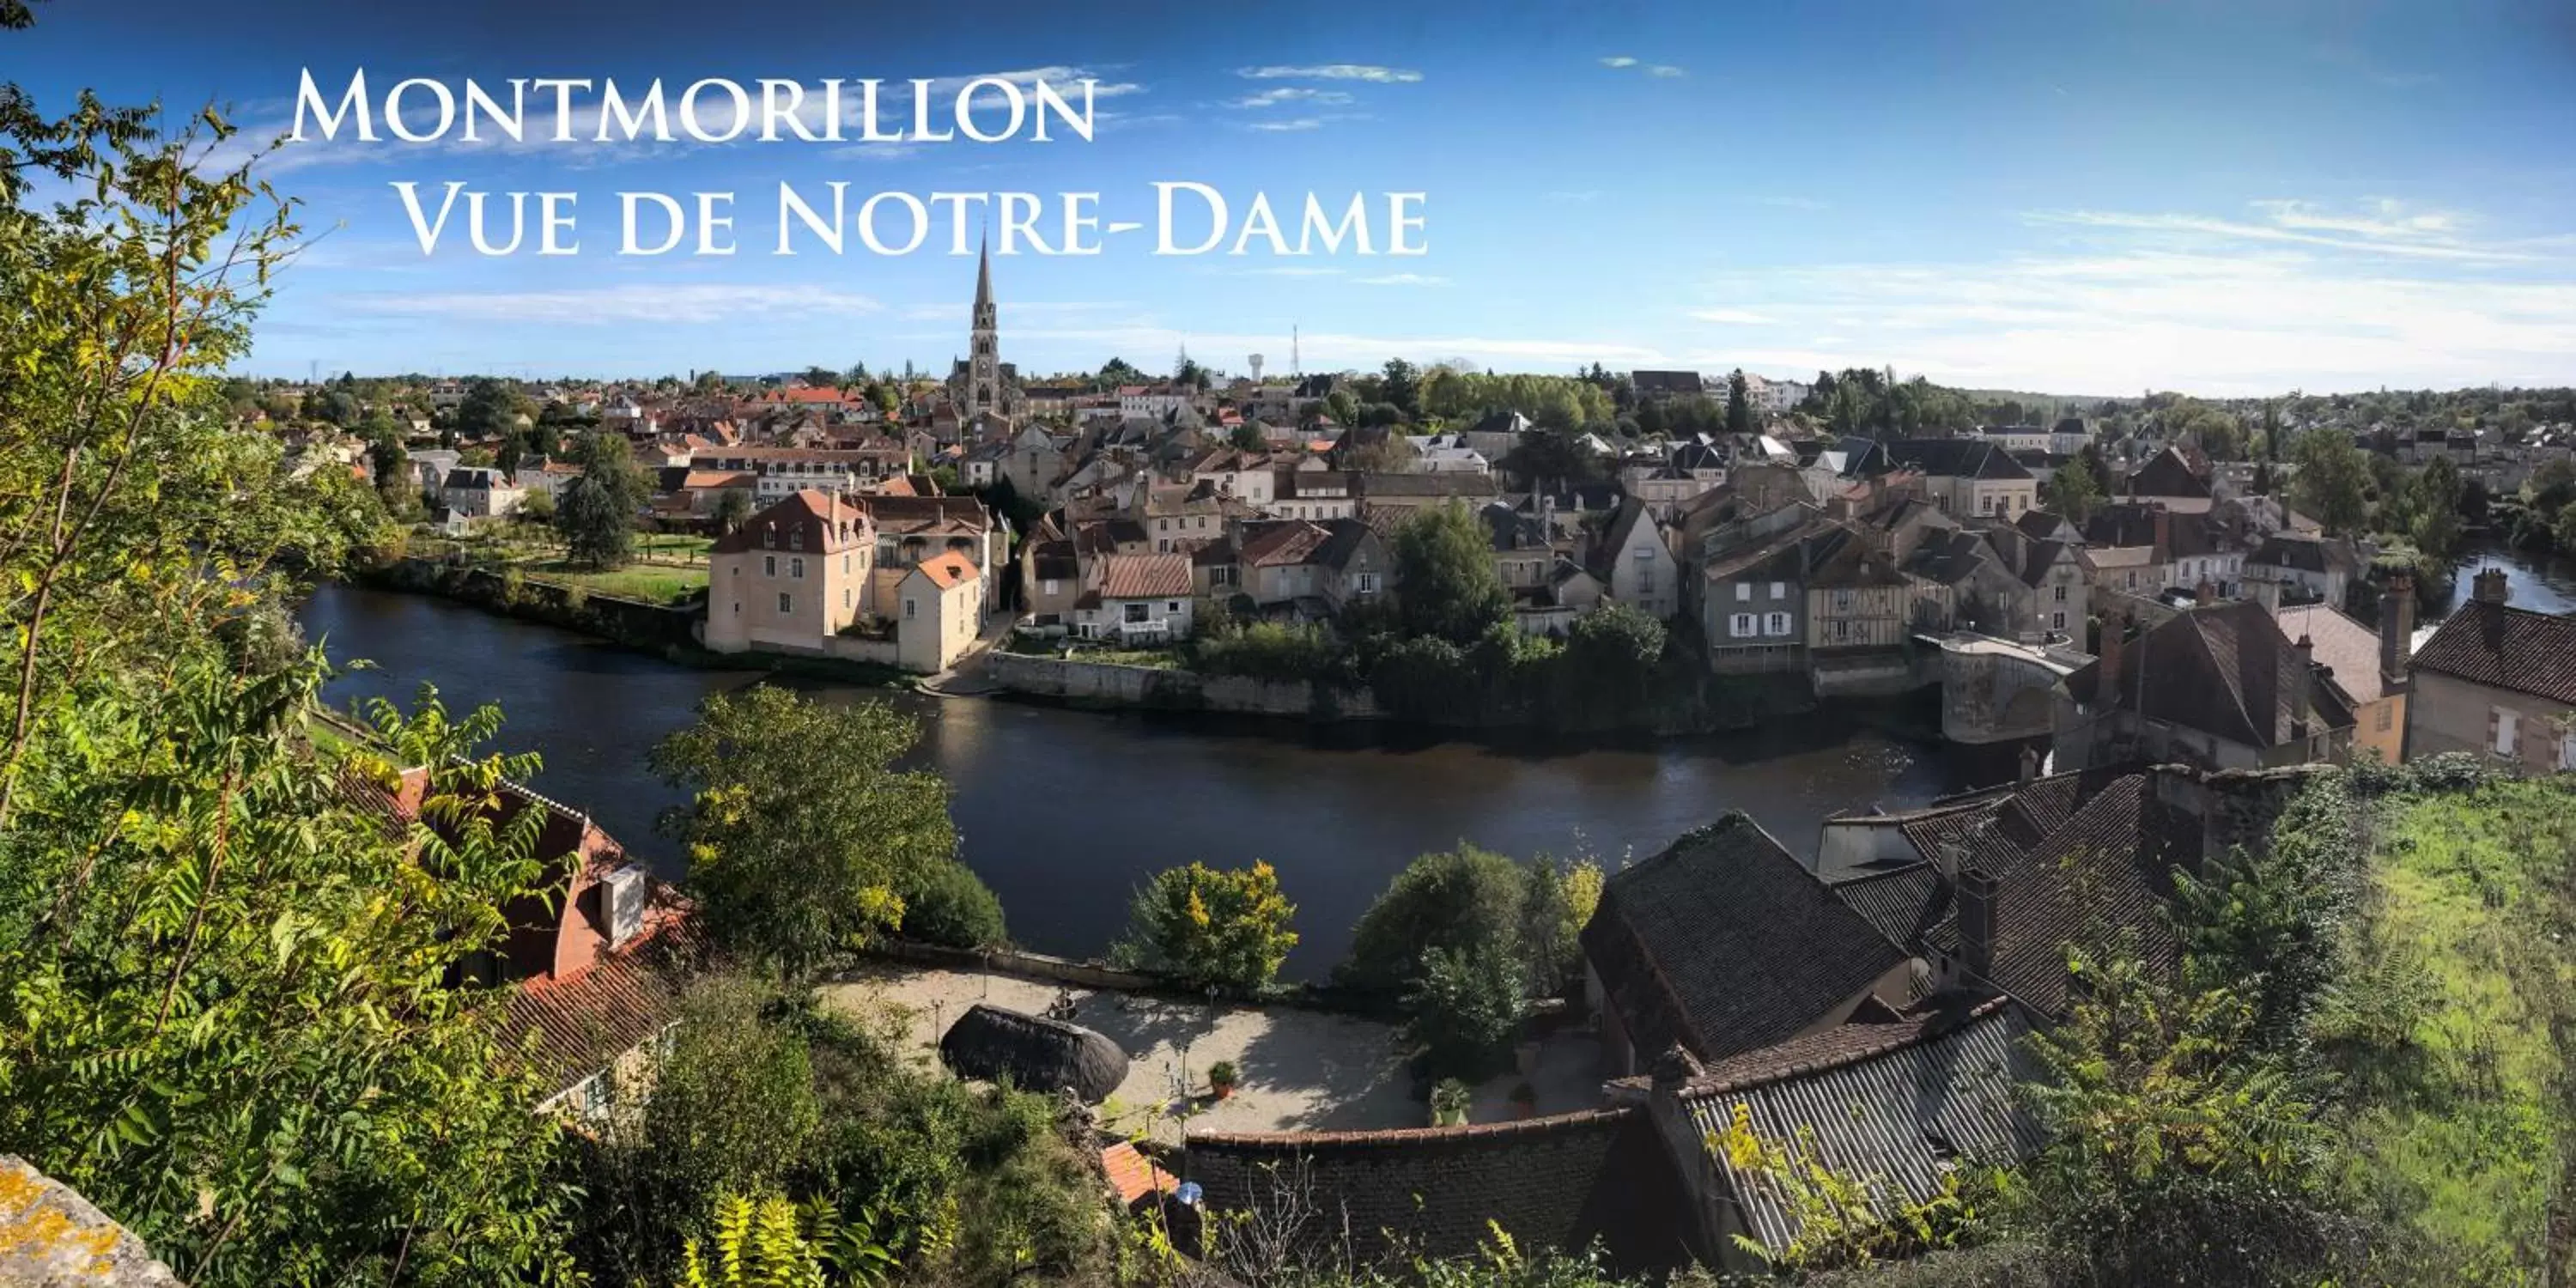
769 538
796 539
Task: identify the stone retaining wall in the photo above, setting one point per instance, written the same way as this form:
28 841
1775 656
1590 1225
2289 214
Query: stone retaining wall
1168 689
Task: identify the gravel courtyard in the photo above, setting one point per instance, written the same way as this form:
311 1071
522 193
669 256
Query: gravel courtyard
1300 1070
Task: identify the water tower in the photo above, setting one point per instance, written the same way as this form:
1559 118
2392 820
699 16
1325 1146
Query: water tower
1255 363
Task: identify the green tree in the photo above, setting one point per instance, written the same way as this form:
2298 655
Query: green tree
733 506
1739 404
489 409
1459 899
1464 1008
597 513
947 904
1444 574
1401 384
2074 490
1246 437
2437 494
1342 407
796 856
1225 928
2333 480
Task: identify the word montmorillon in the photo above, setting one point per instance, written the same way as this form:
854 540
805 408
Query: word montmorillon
983 109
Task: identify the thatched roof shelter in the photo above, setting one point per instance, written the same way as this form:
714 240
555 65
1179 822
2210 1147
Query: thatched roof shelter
1034 1054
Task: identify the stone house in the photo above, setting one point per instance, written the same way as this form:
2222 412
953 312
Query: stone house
792 577
2497 681
942 612
472 492
1136 599
2215 686
1635 560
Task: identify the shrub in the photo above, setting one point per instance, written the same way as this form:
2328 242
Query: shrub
1225 928
1455 899
1464 1012
1270 651
947 904
1222 1074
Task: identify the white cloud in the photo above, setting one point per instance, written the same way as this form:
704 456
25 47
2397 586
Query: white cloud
1402 279
1731 317
1324 351
2231 322
1290 126
1333 71
2382 227
1661 71
1293 94
604 305
1619 60
1287 270
1666 71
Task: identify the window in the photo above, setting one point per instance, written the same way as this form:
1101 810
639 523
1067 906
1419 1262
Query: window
2058 593
845 596
1162 525
1842 601
786 603
2508 730
1743 591
591 1097
796 539
2133 580
845 563
1779 589
1645 581
1368 583
911 608
1135 612
2057 621
2566 744
1775 624
1643 554
2387 717
1740 625
796 569
1048 586
769 538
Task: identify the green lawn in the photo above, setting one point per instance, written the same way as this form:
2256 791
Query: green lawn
2467 1140
653 583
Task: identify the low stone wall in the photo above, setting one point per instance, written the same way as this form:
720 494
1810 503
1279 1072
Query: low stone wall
1167 689
1043 968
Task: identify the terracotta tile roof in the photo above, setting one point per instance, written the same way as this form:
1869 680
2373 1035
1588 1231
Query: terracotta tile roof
1725 942
572 1028
1288 541
827 522
2508 648
1133 1176
716 479
1145 576
947 571
1561 1181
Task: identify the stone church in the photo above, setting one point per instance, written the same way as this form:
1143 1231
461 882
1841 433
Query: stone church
983 382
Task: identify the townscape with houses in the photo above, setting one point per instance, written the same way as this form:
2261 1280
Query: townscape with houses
2171 649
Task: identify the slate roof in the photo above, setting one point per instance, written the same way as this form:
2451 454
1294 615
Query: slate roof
2168 474
2503 647
1560 1181
1453 483
2304 553
1649 383
1725 942
1972 458
1896 1105
2073 855
2222 669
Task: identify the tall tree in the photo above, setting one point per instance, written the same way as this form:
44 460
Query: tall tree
1739 403
1401 384
2074 491
2333 480
597 513
1446 585
793 856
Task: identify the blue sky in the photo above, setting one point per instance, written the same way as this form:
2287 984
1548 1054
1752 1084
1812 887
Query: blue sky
2222 198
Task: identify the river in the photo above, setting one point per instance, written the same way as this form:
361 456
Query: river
1065 812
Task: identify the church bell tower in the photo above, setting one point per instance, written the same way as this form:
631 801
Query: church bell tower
984 368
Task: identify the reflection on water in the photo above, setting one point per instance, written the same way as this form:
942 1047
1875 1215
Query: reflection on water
1065 812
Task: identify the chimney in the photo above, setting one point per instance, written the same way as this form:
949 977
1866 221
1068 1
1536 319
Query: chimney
2029 765
2396 630
1979 891
2303 680
2204 593
1953 856
2114 648
2489 587
2258 679
2267 591
1670 1072
2161 520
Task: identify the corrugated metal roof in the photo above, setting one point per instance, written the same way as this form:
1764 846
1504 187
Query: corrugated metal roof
1898 1120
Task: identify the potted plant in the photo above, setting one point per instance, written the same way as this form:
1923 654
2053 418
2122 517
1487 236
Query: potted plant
1221 1078
1524 1100
1449 1101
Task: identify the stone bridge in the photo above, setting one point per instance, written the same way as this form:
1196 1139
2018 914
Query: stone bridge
1995 690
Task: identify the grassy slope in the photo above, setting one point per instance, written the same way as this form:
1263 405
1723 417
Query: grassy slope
2470 1141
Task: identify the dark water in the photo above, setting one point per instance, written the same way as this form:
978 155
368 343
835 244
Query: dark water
2542 583
1064 812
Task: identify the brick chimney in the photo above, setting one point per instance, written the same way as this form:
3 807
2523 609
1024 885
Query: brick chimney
2396 630
2302 682
2490 587
2161 520
2113 650
1979 892
2258 679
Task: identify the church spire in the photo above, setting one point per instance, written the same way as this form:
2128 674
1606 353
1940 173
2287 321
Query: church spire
983 275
